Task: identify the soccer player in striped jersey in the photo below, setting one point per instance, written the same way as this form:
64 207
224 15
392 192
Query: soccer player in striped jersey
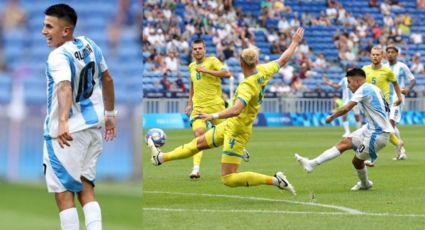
367 140
235 132
80 101
382 76
346 95
403 74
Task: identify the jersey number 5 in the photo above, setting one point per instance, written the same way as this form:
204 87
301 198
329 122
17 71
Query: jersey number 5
374 80
86 83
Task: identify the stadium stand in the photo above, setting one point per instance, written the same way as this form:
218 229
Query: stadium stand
342 31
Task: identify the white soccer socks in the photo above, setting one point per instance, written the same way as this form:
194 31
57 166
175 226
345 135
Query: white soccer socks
69 219
327 155
93 216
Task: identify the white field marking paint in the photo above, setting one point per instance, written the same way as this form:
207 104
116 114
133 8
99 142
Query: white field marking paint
261 211
340 208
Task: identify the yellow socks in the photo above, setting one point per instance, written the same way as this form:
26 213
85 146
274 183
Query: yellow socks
246 179
182 152
197 158
393 139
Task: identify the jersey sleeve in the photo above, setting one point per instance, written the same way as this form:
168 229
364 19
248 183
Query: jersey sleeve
216 64
245 93
269 69
360 94
341 83
59 67
409 75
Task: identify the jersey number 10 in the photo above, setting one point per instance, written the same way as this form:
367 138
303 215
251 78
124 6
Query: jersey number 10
86 83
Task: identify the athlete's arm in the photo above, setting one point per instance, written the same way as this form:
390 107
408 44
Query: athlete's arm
398 92
229 112
296 39
406 90
224 73
345 109
189 105
331 83
64 104
109 103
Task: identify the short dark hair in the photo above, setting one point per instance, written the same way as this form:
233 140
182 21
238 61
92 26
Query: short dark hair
198 41
356 72
62 11
394 47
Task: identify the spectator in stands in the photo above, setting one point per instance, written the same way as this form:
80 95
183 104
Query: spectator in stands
172 62
13 16
320 62
279 6
420 4
376 31
275 48
373 3
416 37
417 67
165 83
385 7
323 19
306 19
287 72
180 84
274 87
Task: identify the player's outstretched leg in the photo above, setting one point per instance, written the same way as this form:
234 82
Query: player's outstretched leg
253 179
327 155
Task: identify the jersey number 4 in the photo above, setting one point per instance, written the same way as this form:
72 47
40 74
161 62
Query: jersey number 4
86 83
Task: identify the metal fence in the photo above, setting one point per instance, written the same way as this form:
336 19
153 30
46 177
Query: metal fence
272 105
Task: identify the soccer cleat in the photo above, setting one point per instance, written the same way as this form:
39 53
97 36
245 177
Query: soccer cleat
245 155
284 183
361 186
400 152
305 163
154 152
369 163
195 174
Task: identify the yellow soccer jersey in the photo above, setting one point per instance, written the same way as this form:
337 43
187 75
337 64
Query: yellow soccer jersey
251 92
206 88
381 77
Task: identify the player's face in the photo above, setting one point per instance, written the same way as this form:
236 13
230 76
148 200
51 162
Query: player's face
376 56
391 55
198 51
352 84
55 31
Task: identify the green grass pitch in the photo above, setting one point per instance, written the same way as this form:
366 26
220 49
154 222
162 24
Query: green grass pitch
324 201
29 206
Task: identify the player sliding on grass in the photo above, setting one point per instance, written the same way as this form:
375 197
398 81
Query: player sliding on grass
367 140
236 131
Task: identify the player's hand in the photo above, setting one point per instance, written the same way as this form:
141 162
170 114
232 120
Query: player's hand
201 69
397 103
188 110
329 119
405 91
206 117
110 128
64 137
298 36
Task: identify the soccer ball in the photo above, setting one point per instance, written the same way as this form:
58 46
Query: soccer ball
158 136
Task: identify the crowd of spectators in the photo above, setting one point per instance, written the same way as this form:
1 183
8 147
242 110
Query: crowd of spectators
166 36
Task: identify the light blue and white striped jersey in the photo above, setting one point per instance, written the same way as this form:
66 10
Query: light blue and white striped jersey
374 106
81 62
346 92
403 76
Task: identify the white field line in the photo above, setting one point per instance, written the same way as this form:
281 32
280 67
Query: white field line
261 211
340 208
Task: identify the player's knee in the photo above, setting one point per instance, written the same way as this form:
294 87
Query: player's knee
227 180
357 163
199 132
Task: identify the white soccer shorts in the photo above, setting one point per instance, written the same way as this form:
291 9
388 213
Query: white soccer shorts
367 143
63 168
